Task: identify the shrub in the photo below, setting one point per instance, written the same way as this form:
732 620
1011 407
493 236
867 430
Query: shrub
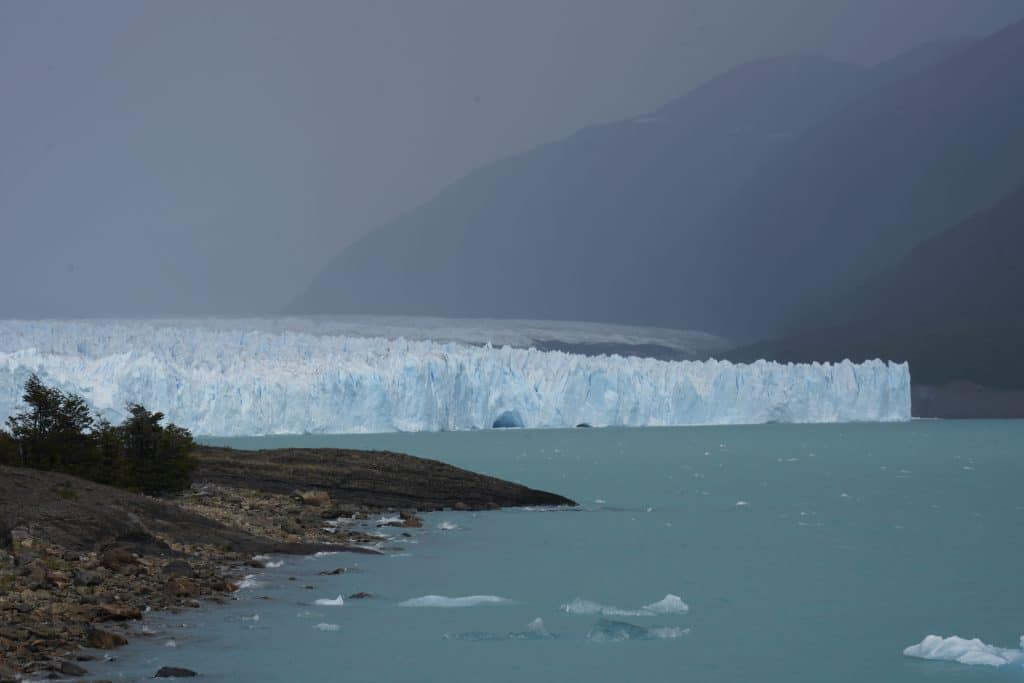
57 432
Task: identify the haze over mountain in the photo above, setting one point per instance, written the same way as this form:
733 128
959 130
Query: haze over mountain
593 227
861 188
183 158
952 307
547 234
731 210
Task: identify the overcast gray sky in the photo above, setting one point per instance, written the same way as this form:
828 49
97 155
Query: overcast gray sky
203 157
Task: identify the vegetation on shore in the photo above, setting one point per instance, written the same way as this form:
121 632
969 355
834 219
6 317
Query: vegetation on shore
81 561
58 433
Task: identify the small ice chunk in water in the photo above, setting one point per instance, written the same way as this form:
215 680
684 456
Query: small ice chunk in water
607 631
581 606
445 601
329 602
742 503
670 604
447 526
964 651
327 627
535 630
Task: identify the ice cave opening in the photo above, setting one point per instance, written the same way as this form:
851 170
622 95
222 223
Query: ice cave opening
510 419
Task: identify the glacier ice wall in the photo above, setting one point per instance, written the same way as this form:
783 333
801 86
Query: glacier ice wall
237 382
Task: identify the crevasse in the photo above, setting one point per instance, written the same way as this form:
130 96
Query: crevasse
235 382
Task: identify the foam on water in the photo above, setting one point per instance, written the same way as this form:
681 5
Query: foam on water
248 581
964 651
444 601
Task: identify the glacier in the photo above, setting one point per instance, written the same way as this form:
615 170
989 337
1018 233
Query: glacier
229 380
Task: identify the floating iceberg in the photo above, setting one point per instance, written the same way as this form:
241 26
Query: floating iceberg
445 601
330 602
535 630
226 381
670 604
964 651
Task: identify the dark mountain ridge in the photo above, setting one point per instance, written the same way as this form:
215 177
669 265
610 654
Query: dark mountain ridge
859 189
751 207
952 307
570 230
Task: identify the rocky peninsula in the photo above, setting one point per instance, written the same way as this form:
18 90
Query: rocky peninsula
81 561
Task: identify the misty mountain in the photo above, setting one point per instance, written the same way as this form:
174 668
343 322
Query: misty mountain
952 307
570 230
731 209
861 188
920 58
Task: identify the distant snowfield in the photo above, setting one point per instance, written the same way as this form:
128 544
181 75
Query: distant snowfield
475 331
362 374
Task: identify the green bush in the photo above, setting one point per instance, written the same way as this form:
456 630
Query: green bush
58 432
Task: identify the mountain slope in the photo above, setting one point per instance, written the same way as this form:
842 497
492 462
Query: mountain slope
952 308
568 230
920 58
860 189
733 209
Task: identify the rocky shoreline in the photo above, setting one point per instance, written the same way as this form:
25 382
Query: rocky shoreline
82 563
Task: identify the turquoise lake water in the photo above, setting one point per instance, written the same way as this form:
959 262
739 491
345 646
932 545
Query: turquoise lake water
804 553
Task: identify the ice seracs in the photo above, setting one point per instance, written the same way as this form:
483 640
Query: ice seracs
231 382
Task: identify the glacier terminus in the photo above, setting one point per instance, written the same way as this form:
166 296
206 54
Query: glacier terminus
219 380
